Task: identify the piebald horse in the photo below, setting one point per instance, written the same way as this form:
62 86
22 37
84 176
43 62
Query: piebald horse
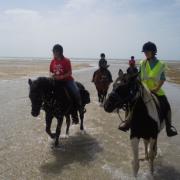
145 120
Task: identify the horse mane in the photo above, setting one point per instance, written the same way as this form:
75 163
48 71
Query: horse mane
43 82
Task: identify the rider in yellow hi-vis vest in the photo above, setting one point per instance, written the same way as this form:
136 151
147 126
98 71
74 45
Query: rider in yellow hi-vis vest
151 77
152 74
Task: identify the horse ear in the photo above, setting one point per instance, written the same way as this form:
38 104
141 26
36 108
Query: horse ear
29 82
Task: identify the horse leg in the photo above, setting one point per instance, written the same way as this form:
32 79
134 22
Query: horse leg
58 130
135 149
101 100
68 121
146 142
81 114
49 118
155 148
99 96
152 154
104 97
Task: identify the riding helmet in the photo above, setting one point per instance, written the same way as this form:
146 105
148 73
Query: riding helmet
149 46
102 55
58 48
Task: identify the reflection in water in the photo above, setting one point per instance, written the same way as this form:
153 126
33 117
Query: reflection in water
81 149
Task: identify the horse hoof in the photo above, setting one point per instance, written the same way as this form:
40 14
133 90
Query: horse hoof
53 135
56 142
66 136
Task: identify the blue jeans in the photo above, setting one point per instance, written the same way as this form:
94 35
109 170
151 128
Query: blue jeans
74 90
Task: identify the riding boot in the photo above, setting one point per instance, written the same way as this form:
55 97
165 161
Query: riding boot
125 125
170 130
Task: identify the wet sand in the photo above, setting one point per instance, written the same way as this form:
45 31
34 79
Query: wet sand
102 153
173 72
15 69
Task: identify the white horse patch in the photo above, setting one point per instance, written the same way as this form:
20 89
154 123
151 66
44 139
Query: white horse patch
150 103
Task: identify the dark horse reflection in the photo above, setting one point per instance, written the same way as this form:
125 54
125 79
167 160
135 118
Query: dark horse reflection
53 97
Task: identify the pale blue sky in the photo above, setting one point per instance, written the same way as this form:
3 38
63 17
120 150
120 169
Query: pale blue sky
88 27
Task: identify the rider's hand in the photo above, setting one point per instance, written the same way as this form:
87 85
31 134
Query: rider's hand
155 90
59 77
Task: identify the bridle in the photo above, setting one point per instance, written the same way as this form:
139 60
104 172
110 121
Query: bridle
130 101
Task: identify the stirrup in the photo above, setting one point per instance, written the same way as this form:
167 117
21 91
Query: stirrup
124 128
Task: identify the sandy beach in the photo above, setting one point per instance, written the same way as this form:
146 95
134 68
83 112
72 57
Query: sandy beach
12 69
102 153
173 72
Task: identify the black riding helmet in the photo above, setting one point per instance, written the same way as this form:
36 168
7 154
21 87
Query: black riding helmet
149 46
102 55
58 48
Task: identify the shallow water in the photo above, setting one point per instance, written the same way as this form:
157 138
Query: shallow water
101 153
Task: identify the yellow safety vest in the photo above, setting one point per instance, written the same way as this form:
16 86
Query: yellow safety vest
151 77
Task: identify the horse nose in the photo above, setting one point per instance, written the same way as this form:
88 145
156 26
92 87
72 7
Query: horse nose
106 107
34 114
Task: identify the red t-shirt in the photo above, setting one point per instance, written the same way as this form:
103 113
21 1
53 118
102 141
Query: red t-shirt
61 67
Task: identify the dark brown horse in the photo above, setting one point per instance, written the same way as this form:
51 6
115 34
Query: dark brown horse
52 96
102 79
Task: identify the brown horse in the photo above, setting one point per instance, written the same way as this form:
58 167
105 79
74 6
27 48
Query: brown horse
102 79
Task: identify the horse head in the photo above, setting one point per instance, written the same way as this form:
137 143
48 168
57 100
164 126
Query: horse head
35 95
123 94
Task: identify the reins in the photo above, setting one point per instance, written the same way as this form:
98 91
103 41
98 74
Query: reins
126 106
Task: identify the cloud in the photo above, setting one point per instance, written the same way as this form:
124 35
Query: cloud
86 28
21 12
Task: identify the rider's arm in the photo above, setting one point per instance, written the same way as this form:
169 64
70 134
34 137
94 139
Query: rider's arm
69 69
160 83
100 62
51 74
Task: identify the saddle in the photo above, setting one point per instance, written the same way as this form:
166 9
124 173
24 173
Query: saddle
104 75
85 96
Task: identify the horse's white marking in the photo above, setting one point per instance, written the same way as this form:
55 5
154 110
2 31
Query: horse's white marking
159 153
65 136
152 154
146 142
96 103
38 118
101 104
151 106
135 149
